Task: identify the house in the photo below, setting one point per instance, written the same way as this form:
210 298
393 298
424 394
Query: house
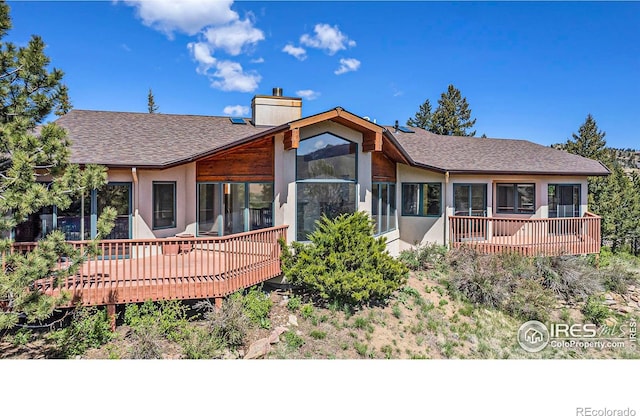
214 176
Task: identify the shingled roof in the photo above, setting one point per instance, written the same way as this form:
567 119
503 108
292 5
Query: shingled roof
163 140
496 156
149 140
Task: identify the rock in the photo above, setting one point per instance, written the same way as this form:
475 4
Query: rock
293 320
610 302
611 322
608 296
274 337
258 349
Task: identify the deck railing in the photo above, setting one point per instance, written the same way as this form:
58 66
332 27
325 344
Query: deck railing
532 236
127 271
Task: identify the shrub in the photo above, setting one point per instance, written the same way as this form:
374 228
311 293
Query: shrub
229 325
481 279
89 328
570 277
293 340
595 310
201 343
344 262
530 301
165 318
315 334
425 257
256 305
294 303
617 277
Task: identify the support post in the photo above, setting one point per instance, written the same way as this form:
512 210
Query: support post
218 303
111 314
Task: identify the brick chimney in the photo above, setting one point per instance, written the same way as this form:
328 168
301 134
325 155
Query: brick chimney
274 110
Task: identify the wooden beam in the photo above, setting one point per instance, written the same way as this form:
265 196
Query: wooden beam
372 142
291 139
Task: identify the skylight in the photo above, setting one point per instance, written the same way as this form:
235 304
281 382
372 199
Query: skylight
237 120
405 129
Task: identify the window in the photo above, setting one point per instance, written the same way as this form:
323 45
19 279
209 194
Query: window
422 199
383 207
326 167
470 199
515 198
164 205
564 201
228 208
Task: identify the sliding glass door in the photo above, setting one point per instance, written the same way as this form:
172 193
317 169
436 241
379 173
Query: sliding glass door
230 208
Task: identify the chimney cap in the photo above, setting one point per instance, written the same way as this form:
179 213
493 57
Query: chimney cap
277 92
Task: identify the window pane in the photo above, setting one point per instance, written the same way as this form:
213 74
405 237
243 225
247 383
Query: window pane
316 199
526 198
410 199
478 200
461 201
326 157
164 198
375 204
505 198
209 212
69 219
553 201
392 207
234 207
260 205
117 196
384 200
431 199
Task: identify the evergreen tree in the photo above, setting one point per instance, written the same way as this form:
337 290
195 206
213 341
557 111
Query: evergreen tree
422 118
453 115
615 198
151 103
589 142
30 153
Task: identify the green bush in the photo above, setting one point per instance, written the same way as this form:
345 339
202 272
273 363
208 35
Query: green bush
256 304
293 340
201 343
595 310
425 257
167 318
89 328
344 262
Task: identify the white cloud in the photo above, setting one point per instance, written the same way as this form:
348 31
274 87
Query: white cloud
236 110
125 47
230 76
347 65
202 54
308 94
257 61
187 16
298 52
233 37
328 38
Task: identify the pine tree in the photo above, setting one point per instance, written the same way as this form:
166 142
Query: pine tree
453 115
151 103
30 151
589 142
422 118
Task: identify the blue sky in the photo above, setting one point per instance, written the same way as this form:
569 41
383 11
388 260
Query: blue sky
530 70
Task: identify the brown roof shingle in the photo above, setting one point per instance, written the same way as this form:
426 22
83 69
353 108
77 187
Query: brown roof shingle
477 155
143 139
162 140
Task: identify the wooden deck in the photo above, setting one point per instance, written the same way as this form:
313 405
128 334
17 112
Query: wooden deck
128 271
529 237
